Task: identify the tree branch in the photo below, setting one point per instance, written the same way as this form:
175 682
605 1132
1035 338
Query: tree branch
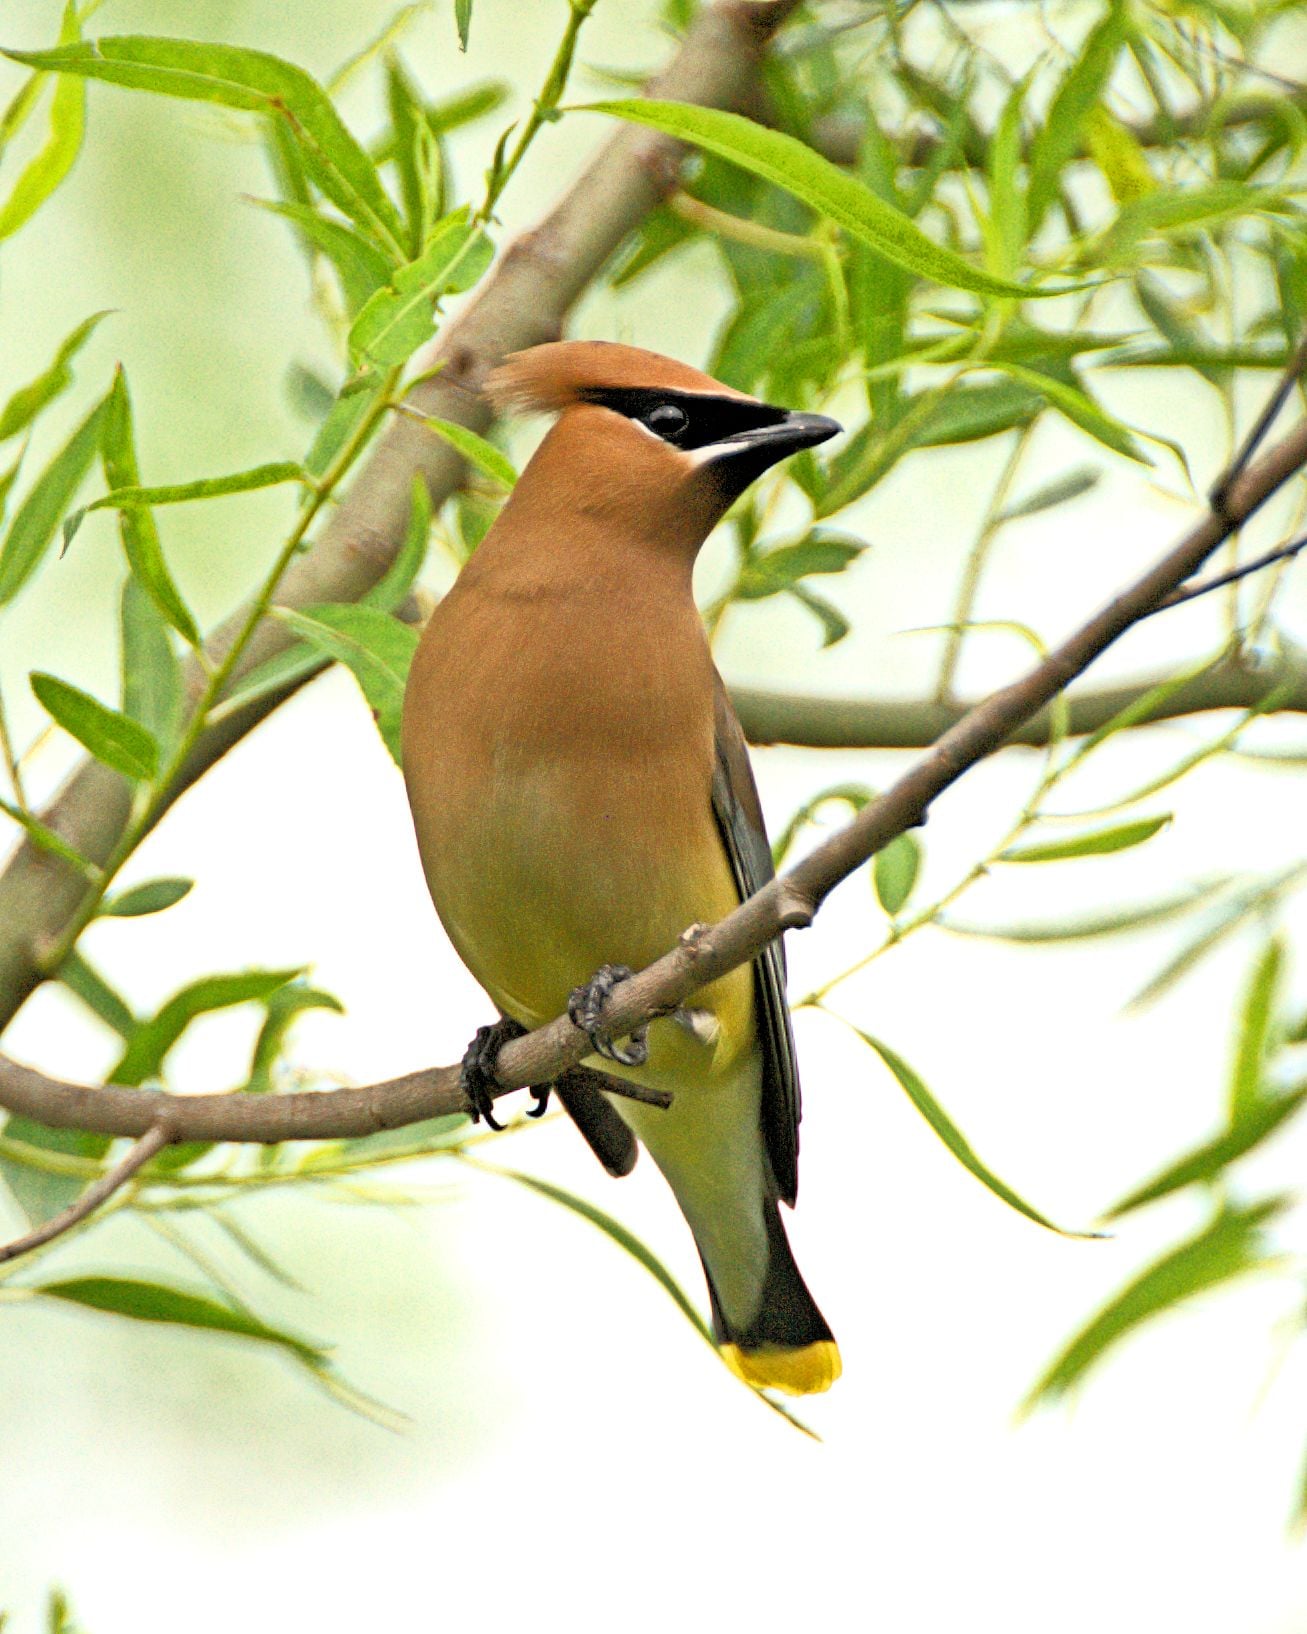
523 301
702 953
155 1138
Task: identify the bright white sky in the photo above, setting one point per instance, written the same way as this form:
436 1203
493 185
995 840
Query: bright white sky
577 1457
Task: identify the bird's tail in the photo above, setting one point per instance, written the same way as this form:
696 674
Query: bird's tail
787 1344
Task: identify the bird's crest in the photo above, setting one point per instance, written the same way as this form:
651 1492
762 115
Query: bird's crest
548 378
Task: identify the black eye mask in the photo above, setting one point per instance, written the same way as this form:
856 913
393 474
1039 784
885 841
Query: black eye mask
682 418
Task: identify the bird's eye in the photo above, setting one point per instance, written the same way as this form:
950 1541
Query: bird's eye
667 421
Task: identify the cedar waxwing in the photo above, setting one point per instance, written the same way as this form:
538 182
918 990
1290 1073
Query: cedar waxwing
582 793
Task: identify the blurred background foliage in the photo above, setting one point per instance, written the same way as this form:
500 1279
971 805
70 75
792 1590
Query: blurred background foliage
267 286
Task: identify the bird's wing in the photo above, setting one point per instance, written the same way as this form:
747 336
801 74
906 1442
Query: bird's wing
739 817
611 1141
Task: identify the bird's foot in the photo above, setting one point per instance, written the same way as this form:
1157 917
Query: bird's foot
585 1009
477 1076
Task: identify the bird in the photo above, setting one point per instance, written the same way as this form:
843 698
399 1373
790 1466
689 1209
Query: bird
581 794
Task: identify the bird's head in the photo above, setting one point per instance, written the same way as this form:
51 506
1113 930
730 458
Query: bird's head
642 439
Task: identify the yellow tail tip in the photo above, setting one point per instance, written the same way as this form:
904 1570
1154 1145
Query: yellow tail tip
802 1372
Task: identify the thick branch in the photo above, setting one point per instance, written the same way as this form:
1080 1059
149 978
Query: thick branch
703 954
522 302
913 723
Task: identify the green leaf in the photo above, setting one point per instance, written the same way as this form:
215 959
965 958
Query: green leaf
283 1007
834 625
1178 209
28 401
1059 139
81 978
8 477
1253 1039
236 77
615 1230
33 528
48 840
463 21
136 525
462 107
283 670
153 896
894 871
377 648
1110 923
361 266
389 1145
953 1137
484 456
342 420
819 551
1051 494
1080 408
1231 1246
855 796
47 169
400 317
1096 842
399 578
164 1302
832 192
112 737
40 1193
152 691
1007 232
415 153
181 493
150 1043
1211 1159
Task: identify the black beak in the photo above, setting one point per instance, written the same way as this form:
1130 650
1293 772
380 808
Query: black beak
740 459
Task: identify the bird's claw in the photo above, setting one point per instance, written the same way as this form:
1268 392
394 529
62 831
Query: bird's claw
585 1009
476 1075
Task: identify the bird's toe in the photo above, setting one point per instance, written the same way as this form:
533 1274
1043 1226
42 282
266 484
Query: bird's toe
477 1076
585 1009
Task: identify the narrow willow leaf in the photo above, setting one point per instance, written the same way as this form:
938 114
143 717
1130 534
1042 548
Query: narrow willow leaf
389 1145
855 796
1059 139
32 530
1231 916
1253 1039
834 193
1075 403
254 1250
360 265
1210 1160
1111 923
399 578
236 77
480 454
400 317
49 841
40 1193
47 169
953 1137
1146 707
618 1233
377 648
182 1307
1176 210
152 690
1119 154
386 35
309 393
152 1040
29 400
1007 234
343 419
834 625
181 493
153 896
140 536
7 479
408 129
282 1008
1060 491
112 737
1098 842
104 1001
464 106
820 551
1231 1246
463 21
283 670
894 871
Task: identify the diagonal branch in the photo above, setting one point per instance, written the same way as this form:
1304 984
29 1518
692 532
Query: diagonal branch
525 300
155 1138
703 953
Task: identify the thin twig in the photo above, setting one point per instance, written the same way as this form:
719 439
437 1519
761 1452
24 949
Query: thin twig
1297 366
155 1138
1188 593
